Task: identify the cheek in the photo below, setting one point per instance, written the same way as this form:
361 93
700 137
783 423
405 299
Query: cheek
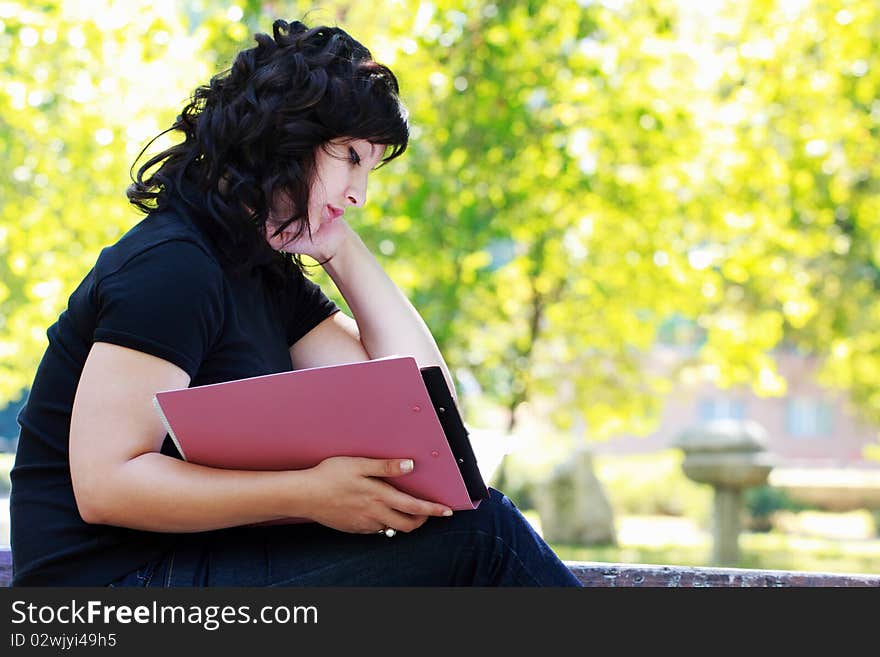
317 195
316 205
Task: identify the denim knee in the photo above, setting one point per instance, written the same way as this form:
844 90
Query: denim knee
496 522
507 548
498 514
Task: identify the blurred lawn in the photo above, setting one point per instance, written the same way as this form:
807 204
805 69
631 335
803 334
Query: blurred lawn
774 550
662 517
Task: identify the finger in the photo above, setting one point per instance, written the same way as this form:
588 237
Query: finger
402 522
405 503
387 467
397 499
419 520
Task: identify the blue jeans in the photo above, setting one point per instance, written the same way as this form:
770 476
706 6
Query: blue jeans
493 545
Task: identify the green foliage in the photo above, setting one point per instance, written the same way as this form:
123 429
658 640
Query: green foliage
762 501
579 174
78 101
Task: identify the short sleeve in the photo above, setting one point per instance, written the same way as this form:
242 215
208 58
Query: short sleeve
309 307
166 301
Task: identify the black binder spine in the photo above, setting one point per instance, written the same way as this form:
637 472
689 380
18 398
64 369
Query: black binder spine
456 433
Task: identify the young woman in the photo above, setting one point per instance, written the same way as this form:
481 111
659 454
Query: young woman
209 287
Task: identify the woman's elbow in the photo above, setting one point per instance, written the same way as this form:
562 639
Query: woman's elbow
90 516
91 494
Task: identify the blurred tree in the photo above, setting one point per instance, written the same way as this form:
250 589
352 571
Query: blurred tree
520 223
78 102
789 196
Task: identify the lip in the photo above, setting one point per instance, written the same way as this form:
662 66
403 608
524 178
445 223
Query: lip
334 212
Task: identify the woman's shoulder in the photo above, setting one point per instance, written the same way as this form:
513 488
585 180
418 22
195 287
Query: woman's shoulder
164 238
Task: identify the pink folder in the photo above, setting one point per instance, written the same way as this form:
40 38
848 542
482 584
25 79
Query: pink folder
294 420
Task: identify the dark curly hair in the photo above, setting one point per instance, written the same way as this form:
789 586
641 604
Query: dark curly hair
254 129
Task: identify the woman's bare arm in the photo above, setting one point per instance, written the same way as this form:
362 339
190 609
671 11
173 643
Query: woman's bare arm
387 321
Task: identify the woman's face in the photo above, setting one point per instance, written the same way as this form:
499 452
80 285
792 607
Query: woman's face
340 180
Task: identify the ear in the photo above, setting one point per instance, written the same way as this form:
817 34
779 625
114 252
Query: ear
275 241
281 207
279 241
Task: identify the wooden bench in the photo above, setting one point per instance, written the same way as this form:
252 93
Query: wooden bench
620 574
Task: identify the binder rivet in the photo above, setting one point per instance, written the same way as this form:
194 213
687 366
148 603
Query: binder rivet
416 408
441 409
435 453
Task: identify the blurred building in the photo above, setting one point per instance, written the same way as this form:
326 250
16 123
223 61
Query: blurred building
808 427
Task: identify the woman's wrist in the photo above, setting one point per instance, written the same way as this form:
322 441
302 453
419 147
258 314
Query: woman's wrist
345 256
297 497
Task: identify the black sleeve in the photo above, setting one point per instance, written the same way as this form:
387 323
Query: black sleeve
166 301
309 307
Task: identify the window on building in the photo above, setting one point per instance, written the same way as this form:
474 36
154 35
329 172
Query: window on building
806 417
721 408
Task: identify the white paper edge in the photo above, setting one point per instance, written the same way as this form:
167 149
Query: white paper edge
168 426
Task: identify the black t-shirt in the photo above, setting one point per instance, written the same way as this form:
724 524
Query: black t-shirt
161 290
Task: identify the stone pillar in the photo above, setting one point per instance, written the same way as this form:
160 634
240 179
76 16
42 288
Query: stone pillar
573 506
730 456
727 507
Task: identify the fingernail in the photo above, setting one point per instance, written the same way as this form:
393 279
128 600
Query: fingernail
447 513
406 465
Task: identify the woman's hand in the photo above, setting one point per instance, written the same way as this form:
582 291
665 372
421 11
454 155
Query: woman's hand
324 242
347 494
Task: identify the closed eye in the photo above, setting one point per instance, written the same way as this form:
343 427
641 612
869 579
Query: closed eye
355 158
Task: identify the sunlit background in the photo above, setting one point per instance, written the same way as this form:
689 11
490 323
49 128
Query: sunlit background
621 220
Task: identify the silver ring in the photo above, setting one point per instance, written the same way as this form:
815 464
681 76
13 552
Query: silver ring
389 532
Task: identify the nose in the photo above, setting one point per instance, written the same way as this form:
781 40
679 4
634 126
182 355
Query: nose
356 194
356 198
